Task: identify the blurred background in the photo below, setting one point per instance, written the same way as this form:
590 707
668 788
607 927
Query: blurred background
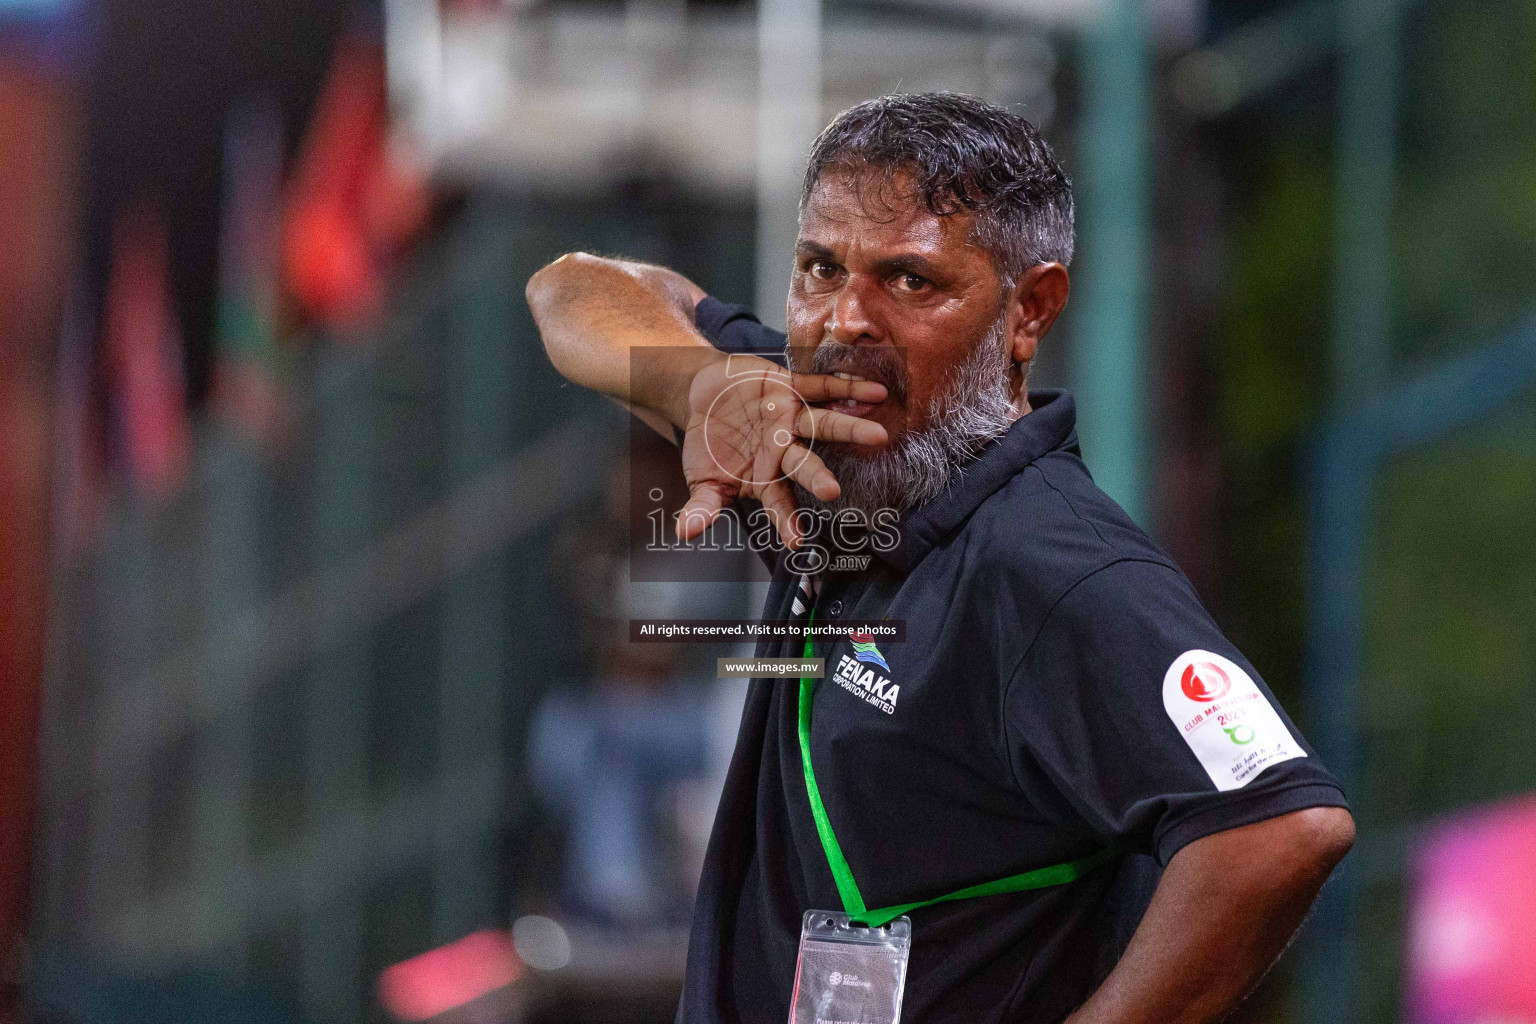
317 702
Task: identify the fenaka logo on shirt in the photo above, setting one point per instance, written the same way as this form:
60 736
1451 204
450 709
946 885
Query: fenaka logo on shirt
865 650
865 683
1228 722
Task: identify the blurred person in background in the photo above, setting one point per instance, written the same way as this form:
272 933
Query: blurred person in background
1062 705
628 756
620 760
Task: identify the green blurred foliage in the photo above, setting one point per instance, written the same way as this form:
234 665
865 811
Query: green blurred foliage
1451 623
1465 251
1450 656
1276 339
1450 630
1270 358
1466 222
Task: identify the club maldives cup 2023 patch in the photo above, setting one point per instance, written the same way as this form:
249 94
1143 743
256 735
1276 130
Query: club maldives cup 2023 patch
1225 718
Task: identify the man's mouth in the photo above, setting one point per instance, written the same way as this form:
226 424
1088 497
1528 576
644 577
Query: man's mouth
848 406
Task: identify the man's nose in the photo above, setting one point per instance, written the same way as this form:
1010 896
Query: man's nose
852 321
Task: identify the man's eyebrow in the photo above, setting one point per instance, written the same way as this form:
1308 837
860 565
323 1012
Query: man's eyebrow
905 263
814 250
909 263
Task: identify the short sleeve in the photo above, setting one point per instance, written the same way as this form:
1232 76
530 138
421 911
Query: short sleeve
730 328
1152 728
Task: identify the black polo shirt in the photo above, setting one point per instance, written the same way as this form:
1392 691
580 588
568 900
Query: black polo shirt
1060 690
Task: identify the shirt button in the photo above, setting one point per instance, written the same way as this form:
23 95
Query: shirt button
836 609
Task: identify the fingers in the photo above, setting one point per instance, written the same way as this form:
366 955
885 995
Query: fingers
826 425
779 502
818 387
806 469
705 501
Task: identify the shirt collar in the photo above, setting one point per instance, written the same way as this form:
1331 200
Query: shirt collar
1050 425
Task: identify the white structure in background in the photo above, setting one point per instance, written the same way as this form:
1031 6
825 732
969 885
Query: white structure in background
788 120
720 102
571 100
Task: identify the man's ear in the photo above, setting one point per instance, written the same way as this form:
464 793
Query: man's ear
1037 301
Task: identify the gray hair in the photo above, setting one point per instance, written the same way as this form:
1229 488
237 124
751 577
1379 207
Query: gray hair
962 154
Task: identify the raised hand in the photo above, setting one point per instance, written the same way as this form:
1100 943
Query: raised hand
752 427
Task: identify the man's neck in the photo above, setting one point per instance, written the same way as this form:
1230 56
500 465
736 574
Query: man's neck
1020 401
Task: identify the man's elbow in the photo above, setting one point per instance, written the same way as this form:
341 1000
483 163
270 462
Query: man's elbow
553 284
1321 836
552 294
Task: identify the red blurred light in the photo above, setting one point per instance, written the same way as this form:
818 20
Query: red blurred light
450 976
353 200
143 351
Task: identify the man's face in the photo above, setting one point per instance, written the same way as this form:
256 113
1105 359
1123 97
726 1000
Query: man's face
903 294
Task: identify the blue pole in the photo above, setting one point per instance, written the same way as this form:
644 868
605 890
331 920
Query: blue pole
1364 147
1340 487
1110 337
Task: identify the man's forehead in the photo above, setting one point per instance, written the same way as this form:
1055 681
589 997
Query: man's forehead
870 207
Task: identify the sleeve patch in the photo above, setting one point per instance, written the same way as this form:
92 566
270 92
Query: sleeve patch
1225 718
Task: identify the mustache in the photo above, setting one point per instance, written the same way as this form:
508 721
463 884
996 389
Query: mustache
878 363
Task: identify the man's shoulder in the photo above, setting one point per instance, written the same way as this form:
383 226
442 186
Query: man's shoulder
1051 526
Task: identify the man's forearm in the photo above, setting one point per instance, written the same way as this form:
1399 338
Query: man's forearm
592 312
1223 912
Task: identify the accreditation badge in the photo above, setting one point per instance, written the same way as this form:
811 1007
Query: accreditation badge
848 973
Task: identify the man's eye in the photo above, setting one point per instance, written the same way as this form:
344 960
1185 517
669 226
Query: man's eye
822 270
910 283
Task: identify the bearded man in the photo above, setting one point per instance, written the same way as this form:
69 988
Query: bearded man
1081 798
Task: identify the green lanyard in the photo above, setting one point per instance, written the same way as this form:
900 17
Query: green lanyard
853 901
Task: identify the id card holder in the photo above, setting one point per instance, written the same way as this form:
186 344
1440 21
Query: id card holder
848 973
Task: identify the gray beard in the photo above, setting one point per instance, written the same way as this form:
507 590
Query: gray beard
974 409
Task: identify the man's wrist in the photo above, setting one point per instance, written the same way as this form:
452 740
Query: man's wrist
690 363
661 378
